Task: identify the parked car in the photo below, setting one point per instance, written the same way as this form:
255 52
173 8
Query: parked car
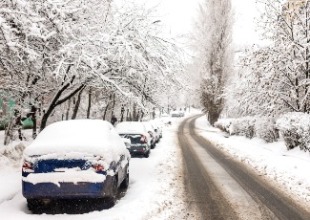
139 137
153 133
158 128
177 114
127 142
75 159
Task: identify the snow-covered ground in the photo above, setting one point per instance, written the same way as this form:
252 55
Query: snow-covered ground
156 186
155 191
289 170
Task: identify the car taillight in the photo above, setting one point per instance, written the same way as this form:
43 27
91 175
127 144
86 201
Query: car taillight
98 167
143 139
27 166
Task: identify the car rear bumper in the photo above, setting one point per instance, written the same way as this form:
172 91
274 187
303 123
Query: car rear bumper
67 190
137 152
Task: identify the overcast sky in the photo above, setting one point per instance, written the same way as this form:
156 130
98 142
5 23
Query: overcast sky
180 15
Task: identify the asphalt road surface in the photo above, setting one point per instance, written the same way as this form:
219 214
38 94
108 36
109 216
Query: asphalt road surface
219 187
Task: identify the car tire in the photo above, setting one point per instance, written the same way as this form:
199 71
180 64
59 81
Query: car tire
146 155
35 206
125 183
153 145
110 201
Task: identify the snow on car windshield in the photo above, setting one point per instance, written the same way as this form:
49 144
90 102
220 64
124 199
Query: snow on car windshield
84 136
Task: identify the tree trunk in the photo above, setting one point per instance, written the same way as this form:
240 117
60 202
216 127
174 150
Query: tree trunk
57 101
68 109
105 111
8 132
113 105
213 116
77 105
34 120
89 103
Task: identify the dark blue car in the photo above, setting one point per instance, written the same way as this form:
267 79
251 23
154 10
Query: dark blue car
74 160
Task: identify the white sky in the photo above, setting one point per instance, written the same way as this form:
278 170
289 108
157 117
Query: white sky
244 30
180 16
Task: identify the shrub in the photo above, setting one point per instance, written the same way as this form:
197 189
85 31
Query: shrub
294 127
237 126
224 124
243 127
265 128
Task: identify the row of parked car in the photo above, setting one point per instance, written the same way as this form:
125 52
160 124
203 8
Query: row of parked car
140 137
83 159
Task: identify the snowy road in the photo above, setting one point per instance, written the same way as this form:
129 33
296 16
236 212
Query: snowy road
222 188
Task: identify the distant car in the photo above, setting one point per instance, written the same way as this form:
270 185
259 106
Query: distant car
177 114
75 159
139 137
181 114
153 133
158 128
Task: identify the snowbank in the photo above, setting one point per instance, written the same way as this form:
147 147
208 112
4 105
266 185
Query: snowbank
287 169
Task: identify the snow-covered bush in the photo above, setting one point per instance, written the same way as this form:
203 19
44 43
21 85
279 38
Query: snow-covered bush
224 124
294 127
265 129
237 126
243 127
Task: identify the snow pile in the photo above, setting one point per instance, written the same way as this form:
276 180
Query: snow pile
294 127
287 169
12 153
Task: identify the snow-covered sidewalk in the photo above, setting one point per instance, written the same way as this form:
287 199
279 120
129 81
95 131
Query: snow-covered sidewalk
155 191
287 169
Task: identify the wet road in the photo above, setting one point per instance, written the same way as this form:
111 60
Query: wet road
220 188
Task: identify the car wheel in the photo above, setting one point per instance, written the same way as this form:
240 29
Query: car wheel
147 154
125 183
153 145
35 206
111 199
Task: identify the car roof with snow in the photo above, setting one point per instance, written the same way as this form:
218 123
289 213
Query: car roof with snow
130 127
82 136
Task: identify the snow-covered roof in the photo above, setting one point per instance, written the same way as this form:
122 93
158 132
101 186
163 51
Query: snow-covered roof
130 127
82 136
148 126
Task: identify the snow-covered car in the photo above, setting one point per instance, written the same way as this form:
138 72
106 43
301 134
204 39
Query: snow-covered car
139 137
158 128
127 142
177 114
153 133
75 159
